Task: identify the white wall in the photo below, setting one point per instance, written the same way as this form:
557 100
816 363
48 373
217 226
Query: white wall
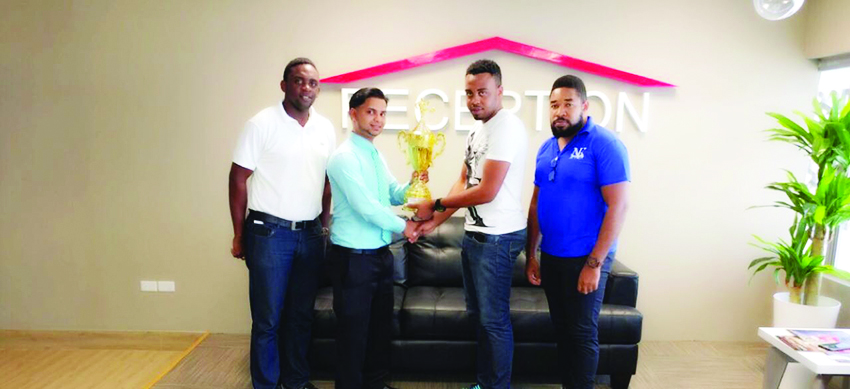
827 30
119 119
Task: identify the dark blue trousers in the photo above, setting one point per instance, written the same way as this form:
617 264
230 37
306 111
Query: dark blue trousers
283 269
363 305
575 317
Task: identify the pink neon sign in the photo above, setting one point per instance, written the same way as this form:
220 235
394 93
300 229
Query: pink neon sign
497 43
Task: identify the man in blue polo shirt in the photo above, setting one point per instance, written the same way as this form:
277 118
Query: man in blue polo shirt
362 264
579 202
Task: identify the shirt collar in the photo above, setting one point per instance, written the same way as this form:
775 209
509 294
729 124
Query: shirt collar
588 126
288 118
493 120
361 143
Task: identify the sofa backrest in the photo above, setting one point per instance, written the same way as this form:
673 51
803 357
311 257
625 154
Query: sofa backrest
435 259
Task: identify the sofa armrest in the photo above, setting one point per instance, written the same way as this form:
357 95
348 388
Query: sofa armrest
622 285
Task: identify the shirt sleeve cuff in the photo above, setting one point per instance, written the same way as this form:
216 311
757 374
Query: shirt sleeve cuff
501 158
400 225
244 163
402 191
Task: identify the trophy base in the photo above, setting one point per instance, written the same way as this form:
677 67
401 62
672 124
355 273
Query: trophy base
417 193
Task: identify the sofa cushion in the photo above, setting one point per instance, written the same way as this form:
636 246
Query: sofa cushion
324 322
530 315
531 322
440 313
435 259
435 312
619 324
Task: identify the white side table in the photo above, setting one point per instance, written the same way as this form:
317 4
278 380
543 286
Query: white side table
792 369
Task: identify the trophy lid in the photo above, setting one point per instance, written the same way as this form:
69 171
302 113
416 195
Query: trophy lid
421 128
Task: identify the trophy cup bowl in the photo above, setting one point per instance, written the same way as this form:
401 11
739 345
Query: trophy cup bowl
420 145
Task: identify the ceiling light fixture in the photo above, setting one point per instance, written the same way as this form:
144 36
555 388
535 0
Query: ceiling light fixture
777 9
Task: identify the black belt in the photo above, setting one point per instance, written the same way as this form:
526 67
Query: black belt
379 250
294 226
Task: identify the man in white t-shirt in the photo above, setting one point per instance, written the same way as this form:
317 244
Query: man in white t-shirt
490 187
284 149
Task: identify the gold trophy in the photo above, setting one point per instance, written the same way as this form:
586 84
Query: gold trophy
419 145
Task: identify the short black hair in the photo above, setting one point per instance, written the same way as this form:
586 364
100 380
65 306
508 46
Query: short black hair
486 66
363 94
296 62
572 82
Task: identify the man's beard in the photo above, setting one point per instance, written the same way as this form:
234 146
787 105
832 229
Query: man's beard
569 131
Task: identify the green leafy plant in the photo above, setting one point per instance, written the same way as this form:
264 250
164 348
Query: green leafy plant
826 140
793 258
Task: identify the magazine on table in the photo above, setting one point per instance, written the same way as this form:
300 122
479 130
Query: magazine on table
834 343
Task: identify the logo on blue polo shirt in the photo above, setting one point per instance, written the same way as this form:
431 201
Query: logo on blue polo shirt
578 153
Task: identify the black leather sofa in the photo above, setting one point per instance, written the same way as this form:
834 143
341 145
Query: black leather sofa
432 334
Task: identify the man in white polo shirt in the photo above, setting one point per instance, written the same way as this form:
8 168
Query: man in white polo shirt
284 149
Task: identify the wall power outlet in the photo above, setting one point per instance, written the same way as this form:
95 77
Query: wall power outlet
165 286
148 286
158 286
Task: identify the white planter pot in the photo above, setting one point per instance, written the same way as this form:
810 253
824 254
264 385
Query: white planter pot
789 315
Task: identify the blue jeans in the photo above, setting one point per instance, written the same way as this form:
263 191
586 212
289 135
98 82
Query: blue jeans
575 317
488 262
283 270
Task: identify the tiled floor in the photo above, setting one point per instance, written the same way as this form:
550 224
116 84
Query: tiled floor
222 362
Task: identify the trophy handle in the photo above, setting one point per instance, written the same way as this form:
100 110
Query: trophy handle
402 138
441 140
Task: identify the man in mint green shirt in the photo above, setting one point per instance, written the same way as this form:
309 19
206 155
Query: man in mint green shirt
362 266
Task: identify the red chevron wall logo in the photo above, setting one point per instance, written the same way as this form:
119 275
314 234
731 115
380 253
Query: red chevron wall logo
497 43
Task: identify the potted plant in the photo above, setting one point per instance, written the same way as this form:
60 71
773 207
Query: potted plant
818 210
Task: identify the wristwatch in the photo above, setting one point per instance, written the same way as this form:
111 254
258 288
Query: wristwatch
593 262
439 207
326 231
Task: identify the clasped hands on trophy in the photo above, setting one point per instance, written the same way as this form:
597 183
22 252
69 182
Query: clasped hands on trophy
418 226
422 222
